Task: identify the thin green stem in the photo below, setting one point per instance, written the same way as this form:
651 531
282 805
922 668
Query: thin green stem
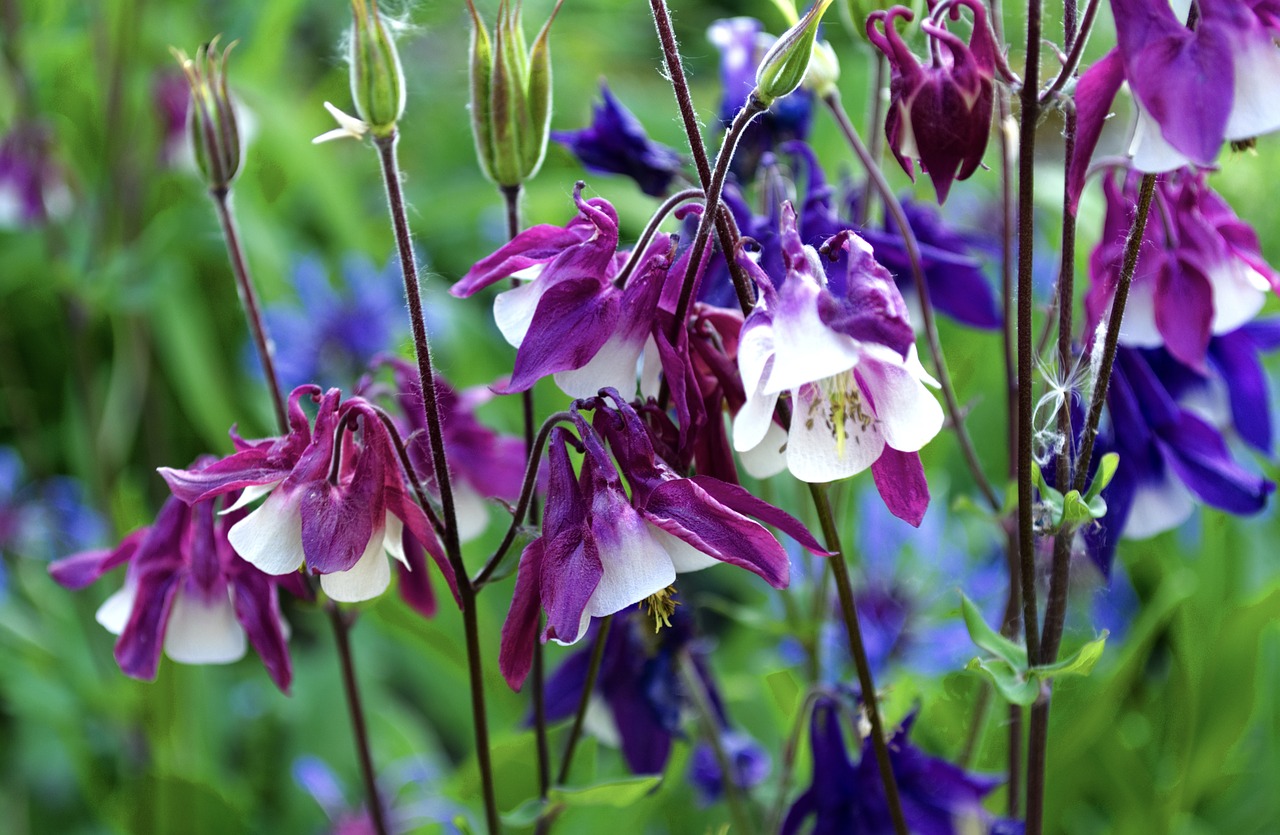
849 609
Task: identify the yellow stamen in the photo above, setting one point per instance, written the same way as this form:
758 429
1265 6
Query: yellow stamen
661 606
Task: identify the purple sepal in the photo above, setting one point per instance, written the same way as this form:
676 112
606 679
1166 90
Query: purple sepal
899 477
79 570
1095 92
257 608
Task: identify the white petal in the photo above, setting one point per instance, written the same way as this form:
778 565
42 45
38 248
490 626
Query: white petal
755 351
908 414
114 612
650 371
1158 508
805 349
271 536
204 633
513 310
1237 298
599 722
1138 327
613 366
471 511
365 580
769 457
636 567
1255 107
684 557
348 126
250 494
751 424
818 450
393 539
1151 153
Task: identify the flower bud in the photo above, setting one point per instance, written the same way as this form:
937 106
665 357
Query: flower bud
215 138
510 96
785 64
824 70
377 81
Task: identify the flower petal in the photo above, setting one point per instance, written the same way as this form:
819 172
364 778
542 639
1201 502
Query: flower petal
365 580
270 537
204 632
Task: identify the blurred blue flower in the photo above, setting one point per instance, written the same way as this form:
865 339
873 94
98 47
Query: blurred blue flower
330 336
315 777
616 143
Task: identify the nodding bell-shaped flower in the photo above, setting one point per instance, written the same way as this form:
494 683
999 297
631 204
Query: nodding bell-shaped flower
215 137
857 388
332 503
510 95
601 550
1200 274
186 593
939 113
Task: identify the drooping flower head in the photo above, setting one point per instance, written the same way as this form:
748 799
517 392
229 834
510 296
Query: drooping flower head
186 593
601 550
333 502
940 112
858 396
616 143
1200 270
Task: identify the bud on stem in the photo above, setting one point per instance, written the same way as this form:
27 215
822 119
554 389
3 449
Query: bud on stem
783 67
377 80
215 138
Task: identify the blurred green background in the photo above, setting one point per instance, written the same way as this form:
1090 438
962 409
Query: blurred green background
122 349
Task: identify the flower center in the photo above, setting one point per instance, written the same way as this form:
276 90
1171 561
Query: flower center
661 606
844 409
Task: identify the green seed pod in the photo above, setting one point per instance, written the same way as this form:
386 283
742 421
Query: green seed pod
784 66
215 137
377 80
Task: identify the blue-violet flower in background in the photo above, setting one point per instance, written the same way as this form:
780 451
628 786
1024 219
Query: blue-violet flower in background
616 143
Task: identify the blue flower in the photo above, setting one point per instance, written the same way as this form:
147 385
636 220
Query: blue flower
616 143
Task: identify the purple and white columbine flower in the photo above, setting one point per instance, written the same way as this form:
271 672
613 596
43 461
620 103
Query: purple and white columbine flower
1199 274
939 114
601 550
334 504
857 388
570 320
185 592
1194 88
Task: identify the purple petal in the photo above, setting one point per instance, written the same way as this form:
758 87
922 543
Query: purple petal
520 630
1235 356
899 477
79 570
573 319
1095 92
1184 311
738 499
1199 455
257 608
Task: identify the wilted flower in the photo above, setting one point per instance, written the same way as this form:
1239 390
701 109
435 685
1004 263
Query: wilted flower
185 592
616 143
857 389
939 114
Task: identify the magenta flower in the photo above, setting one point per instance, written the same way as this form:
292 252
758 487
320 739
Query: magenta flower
569 319
939 113
1200 274
601 551
858 395
185 592
332 503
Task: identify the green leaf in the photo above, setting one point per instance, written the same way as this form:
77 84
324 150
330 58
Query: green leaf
526 814
785 689
1080 663
1009 682
1014 654
618 794
1074 511
1106 471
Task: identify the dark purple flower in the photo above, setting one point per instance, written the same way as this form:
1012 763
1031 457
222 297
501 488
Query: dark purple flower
616 143
747 759
938 798
939 113
33 188
1199 273
1195 87
332 334
601 550
333 503
743 42
570 320
185 592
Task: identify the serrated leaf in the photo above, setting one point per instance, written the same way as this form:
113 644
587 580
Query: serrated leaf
987 638
618 794
1080 663
1009 682
1106 471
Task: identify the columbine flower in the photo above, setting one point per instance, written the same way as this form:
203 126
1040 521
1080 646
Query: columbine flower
939 114
938 798
857 389
743 42
332 503
1199 273
33 189
483 464
570 320
1194 87
601 551
332 334
616 143
187 592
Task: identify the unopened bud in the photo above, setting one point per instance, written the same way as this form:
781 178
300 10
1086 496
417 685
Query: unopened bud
215 138
510 96
784 66
377 81
824 70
